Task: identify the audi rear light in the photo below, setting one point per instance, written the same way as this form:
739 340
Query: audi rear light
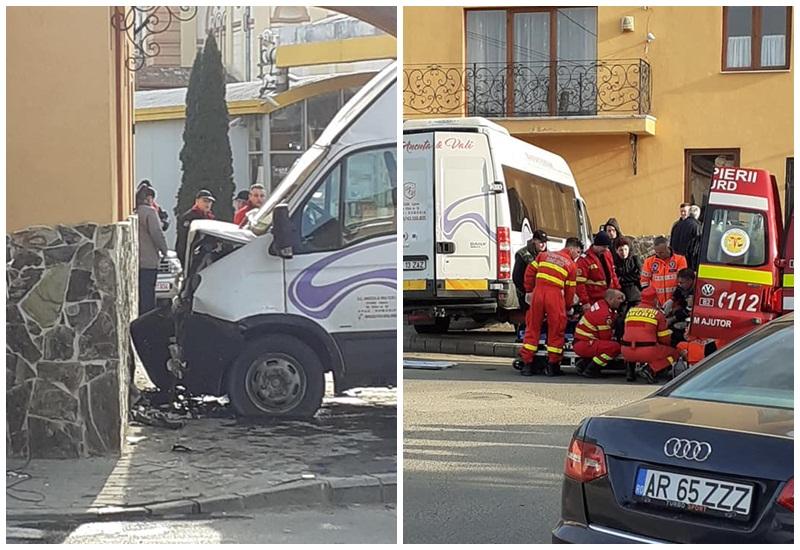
503 253
786 498
585 461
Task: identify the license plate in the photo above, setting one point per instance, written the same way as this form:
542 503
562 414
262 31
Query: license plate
414 265
163 286
696 494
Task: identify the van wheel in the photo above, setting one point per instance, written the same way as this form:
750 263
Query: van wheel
440 326
277 376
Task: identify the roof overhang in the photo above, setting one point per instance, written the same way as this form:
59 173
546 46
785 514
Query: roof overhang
641 125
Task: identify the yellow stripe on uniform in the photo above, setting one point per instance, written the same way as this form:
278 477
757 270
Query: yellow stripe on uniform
736 274
599 361
596 283
606 357
603 327
788 280
414 285
554 350
642 319
581 279
663 333
550 278
554 267
572 283
530 347
535 264
466 284
584 333
587 324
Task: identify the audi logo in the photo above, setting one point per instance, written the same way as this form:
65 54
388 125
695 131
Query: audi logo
688 449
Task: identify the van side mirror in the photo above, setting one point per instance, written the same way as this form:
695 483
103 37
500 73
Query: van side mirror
282 232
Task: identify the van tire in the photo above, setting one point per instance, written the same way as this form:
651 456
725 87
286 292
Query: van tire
285 360
440 326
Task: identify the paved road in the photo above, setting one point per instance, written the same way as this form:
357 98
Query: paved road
355 524
484 448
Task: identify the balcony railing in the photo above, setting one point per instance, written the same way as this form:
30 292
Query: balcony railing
535 89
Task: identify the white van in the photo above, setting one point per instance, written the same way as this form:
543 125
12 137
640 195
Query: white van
308 286
472 197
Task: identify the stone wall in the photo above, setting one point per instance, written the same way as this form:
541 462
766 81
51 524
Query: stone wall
642 246
71 294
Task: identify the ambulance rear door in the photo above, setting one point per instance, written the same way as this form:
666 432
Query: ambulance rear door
738 274
466 218
788 271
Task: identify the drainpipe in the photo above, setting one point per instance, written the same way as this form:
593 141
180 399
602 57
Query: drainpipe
247 45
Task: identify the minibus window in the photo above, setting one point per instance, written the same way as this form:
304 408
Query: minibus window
548 205
736 237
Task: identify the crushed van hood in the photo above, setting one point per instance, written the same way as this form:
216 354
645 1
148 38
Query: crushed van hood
223 230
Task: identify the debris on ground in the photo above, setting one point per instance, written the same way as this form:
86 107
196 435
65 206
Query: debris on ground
427 365
170 409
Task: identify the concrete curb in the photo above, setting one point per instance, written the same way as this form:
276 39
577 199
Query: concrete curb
363 489
455 346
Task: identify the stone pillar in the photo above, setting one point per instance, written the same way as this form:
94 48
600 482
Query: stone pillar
71 294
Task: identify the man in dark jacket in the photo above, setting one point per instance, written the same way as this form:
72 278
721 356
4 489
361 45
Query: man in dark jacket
522 259
201 210
684 233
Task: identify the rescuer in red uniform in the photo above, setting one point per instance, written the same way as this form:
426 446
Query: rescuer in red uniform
596 271
647 338
594 335
554 276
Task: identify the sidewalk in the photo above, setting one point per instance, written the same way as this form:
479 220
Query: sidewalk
347 453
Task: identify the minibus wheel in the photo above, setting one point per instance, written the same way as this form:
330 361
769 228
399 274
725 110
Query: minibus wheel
278 375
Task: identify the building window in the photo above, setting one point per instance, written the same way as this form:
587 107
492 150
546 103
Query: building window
533 61
255 149
756 38
700 164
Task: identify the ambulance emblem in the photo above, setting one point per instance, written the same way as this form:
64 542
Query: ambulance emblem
707 290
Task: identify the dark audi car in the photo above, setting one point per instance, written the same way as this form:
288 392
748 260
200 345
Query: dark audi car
706 459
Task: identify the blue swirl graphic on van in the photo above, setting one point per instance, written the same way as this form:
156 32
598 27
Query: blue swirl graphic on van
449 226
319 301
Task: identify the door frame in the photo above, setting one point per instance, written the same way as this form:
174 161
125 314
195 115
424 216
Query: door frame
687 157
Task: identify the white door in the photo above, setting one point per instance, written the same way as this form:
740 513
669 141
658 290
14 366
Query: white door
466 228
343 274
418 233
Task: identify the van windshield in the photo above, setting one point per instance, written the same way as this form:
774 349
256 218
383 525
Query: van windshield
735 237
547 205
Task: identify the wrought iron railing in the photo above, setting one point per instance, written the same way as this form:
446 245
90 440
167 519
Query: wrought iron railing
535 89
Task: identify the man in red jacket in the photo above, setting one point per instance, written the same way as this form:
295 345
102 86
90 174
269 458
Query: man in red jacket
256 199
554 276
594 335
596 271
647 338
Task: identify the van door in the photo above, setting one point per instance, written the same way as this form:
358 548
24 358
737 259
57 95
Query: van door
343 274
418 218
466 219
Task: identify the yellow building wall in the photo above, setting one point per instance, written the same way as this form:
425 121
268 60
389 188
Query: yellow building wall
63 137
696 106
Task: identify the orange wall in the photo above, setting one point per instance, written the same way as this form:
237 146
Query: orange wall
62 120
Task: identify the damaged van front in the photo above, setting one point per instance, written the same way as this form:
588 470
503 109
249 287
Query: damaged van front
308 286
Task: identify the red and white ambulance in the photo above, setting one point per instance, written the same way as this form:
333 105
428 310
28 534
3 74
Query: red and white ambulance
745 276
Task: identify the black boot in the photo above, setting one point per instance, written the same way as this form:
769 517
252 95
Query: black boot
553 369
647 373
630 372
581 365
527 370
518 364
